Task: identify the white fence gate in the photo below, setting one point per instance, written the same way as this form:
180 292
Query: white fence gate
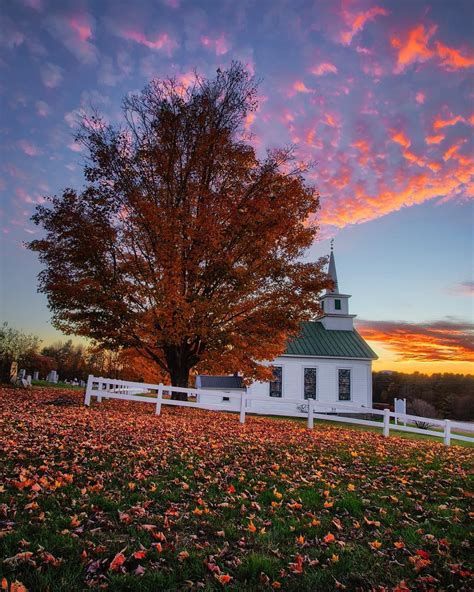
159 395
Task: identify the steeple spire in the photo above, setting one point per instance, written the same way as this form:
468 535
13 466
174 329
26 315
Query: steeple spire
335 306
332 271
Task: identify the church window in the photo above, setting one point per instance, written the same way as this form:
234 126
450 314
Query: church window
344 384
310 383
337 304
276 383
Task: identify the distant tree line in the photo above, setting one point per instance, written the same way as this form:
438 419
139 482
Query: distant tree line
449 396
71 361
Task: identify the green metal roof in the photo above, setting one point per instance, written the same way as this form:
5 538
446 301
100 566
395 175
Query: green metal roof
315 340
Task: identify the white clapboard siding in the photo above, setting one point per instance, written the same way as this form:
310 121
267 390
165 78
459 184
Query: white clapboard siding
326 379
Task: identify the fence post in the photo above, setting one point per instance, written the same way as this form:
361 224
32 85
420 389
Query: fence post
242 407
447 432
159 399
87 398
310 414
100 385
386 423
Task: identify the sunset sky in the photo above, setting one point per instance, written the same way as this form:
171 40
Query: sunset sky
379 95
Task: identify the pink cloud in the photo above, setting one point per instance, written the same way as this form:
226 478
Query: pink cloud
159 42
23 196
420 97
80 27
42 108
75 32
219 44
51 75
75 146
34 4
28 148
324 68
464 288
300 87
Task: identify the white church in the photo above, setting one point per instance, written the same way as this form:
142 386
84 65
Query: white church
329 361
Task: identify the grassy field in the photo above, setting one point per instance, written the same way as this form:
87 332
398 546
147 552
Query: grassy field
114 497
58 385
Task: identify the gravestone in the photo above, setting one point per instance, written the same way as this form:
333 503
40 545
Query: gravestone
36 375
52 376
28 380
22 374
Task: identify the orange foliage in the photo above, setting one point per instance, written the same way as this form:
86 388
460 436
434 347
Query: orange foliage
184 249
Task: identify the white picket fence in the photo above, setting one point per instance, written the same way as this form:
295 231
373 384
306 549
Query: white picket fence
159 395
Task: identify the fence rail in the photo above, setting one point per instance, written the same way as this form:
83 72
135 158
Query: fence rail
160 394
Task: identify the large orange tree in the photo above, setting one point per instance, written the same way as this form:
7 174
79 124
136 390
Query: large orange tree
183 246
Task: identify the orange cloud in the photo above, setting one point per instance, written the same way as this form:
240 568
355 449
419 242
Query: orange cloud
414 158
427 342
436 139
452 150
301 87
452 58
440 123
331 119
357 22
400 138
364 149
434 166
414 48
324 68
360 207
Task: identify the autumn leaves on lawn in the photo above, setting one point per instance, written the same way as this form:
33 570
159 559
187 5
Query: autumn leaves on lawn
114 496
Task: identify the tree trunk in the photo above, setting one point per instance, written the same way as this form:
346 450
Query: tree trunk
180 377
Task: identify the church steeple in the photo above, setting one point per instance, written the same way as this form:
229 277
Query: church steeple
332 270
335 306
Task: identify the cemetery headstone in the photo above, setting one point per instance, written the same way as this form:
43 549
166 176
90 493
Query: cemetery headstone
22 374
52 376
36 375
28 380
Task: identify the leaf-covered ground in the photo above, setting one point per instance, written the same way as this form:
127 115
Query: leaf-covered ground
115 497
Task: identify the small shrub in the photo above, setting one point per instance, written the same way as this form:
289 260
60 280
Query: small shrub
424 409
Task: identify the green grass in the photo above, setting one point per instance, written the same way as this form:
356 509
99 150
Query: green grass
58 385
198 495
393 431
